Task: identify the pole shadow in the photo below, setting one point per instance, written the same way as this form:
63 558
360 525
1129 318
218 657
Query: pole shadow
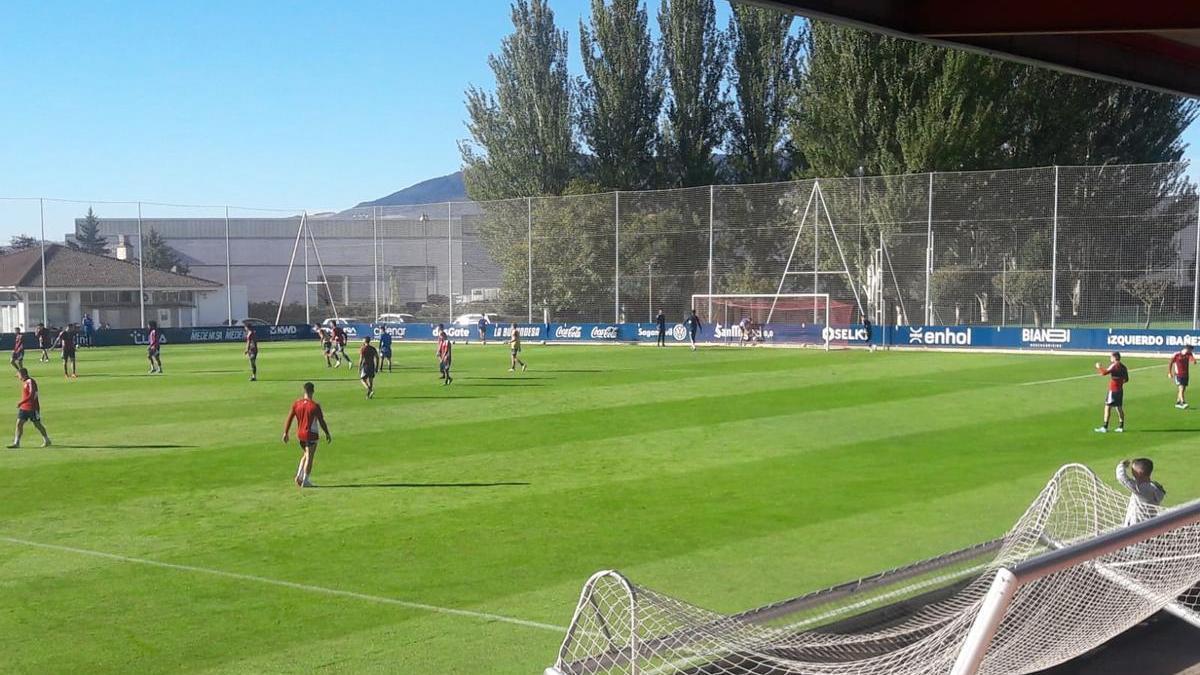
423 485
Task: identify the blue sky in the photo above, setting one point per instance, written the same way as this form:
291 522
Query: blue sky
312 105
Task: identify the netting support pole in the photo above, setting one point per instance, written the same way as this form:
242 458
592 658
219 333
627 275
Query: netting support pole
928 250
1054 256
287 279
816 250
42 216
228 275
529 256
325 276
991 613
375 254
711 195
617 257
1196 274
141 272
307 282
450 260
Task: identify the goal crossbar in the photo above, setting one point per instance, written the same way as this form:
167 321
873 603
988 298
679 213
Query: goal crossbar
745 301
1009 580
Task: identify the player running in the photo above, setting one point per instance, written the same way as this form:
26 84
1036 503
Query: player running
339 347
368 364
1178 369
483 324
693 327
67 339
326 340
445 354
251 351
18 351
514 346
308 416
29 410
43 340
385 350
154 351
1118 375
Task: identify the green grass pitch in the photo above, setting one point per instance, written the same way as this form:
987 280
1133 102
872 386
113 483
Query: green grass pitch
163 533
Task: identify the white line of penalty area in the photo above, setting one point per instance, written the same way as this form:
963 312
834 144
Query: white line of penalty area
483 616
1078 377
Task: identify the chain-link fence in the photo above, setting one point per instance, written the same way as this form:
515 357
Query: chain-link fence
1103 245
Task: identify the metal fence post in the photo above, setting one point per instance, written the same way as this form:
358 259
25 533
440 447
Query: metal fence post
141 276
617 258
529 255
711 190
228 275
45 302
450 260
1054 256
307 312
929 250
1196 274
375 255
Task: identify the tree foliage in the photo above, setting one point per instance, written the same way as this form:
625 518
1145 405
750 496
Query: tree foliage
20 242
157 254
695 116
621 94
522 142
764 67
87 236
1149 290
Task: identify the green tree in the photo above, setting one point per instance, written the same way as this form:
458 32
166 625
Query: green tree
157 254
87 236
763 72
1149 290
20 242
521 137
621 94
694 56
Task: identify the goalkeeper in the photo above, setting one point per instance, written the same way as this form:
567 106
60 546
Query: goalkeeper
1145 491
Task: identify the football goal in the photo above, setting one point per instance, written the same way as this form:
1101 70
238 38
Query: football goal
1067 577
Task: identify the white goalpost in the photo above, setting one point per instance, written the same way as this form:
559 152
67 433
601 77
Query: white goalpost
1067 577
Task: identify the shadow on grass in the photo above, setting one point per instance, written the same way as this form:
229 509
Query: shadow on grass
510 383
423 485
510 378
1168 431
128 446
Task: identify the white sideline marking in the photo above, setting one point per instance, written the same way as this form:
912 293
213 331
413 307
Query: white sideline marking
1078 377
287 584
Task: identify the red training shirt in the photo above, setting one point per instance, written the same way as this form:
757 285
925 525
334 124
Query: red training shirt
1180 361
1118 376
29 396
308 416
19 343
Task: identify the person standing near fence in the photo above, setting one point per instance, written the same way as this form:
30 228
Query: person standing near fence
89 331
385 350
43 339
1118 375
251 349
692 322
154 351
66 339
661 321
483 325
1178 370
368 365
868 332
445 355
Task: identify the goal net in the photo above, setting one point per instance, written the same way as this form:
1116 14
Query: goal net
1071 608
727 313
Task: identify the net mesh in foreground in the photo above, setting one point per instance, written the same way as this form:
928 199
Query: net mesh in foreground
619 627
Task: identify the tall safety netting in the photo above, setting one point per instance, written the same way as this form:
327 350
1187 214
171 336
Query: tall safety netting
620 627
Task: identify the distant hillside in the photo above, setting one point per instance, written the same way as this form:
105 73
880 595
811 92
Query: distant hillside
442 189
